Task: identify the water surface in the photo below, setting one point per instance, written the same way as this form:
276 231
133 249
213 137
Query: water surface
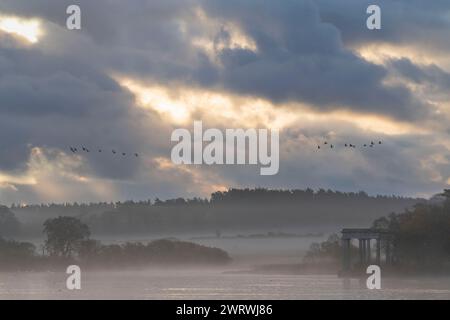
211 284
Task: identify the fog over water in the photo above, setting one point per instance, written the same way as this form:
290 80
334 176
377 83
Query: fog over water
234 281
212 284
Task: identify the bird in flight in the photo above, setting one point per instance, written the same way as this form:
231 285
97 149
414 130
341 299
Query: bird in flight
372 144
100 150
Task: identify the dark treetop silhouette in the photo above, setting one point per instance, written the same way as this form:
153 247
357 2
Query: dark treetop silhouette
235 208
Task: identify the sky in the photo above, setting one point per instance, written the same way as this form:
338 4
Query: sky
139 69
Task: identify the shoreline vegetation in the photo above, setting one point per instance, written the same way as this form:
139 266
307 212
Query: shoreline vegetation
68 242
21 256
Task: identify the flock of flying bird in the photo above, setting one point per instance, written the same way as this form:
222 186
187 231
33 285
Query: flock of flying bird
84 149
349 145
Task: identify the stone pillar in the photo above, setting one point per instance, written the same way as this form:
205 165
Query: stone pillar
364 250
368 251
361 251
388 252
378 259
346 254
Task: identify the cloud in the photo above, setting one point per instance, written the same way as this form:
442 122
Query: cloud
437 80
411 22
51 174
281 51
138 69
301 58
28 29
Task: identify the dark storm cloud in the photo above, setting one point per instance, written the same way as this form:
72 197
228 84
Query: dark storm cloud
299 57
39 85
411 22
428 74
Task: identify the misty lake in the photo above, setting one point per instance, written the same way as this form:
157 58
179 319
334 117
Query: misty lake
220 282
211 284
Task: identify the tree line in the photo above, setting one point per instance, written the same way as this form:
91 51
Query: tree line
235 208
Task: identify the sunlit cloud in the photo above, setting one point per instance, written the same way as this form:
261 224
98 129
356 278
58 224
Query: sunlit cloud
53 175
209 41
180 105
159 99
381 53
28 29
371 123
200 181
8 180
385 54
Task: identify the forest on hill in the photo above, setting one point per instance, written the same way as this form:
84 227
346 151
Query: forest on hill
232 209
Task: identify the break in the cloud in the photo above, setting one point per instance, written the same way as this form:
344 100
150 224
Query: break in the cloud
138 69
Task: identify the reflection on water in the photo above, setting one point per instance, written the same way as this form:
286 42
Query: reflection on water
211 284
